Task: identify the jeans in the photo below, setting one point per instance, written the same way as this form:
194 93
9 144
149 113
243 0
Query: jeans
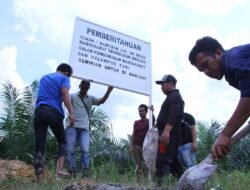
48 116
187 156
72 135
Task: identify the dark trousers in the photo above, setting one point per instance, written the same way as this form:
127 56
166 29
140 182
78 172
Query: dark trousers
48 116
168 161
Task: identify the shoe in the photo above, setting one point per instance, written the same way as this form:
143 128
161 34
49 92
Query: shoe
159 182
38 162
73 172
63 174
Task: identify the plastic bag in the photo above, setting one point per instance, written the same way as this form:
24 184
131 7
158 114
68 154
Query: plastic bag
149 150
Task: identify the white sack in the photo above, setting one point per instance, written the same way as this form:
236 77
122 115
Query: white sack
149 150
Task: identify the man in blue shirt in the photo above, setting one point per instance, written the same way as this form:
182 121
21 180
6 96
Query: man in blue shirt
53 90
208 56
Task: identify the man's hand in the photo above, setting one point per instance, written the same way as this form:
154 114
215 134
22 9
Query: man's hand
221 147
164 138
106 95
71 119
151 108
194 147
131 150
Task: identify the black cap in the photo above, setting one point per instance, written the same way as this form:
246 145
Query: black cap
167 78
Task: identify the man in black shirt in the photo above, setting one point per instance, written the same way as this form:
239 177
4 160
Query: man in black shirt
188 146
169 128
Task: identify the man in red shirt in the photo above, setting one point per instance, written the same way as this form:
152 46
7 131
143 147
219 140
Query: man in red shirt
140 130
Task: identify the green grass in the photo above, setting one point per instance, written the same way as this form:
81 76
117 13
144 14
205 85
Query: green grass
110 174
235 180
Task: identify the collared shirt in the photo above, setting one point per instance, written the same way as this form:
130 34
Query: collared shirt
171 113
80 112
236 67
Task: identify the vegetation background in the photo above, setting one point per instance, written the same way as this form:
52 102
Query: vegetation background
111 161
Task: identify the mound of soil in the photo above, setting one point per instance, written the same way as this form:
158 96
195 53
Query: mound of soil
15 168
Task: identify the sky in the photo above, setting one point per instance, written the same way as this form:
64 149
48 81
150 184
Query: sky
36 36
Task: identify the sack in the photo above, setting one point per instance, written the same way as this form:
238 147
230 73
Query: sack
150 146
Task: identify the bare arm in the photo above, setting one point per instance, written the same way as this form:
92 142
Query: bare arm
67 102
132 138
106 95
238 118
240 115
194 134
153 116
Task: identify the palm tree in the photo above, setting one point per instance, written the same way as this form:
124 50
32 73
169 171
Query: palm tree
206 136
16 122
239 158
104 148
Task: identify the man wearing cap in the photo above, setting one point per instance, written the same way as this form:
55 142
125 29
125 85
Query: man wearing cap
169 128
82 103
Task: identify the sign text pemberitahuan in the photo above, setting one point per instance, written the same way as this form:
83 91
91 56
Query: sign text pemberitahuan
109 57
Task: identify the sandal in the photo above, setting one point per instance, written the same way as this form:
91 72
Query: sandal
63 174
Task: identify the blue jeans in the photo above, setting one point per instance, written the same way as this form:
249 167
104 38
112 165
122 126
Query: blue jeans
187 156
72 135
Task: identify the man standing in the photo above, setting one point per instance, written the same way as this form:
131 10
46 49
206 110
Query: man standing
169 127
208 56
188 146
53 90
82 103
140 130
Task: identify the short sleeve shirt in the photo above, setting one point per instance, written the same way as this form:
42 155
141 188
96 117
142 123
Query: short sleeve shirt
80 112
236 67
186 123
49 91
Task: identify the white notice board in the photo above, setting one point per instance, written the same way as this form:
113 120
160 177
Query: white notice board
109 57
